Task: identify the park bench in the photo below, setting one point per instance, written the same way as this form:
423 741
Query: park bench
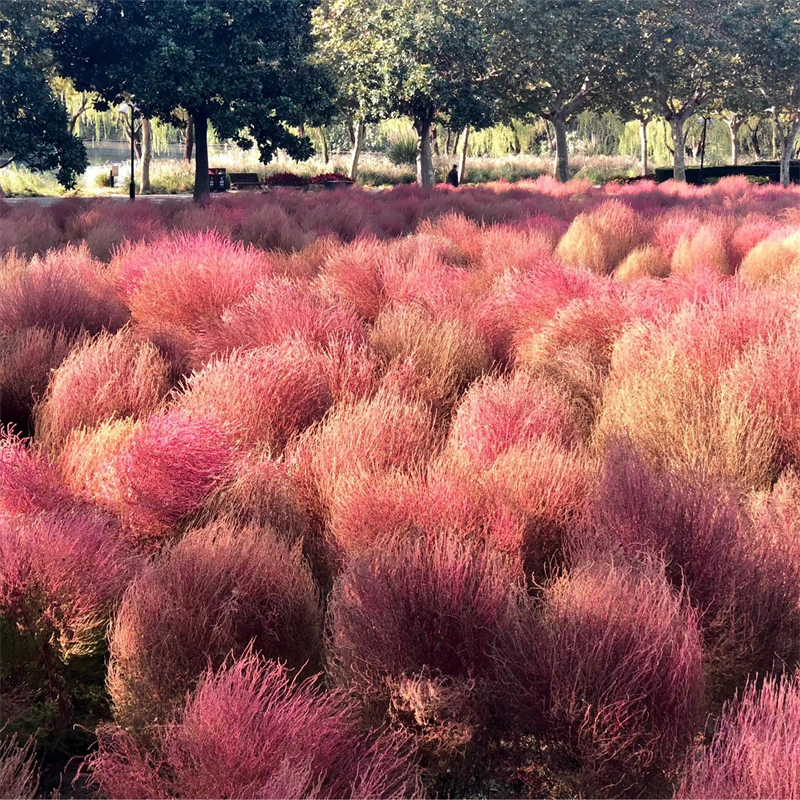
244 181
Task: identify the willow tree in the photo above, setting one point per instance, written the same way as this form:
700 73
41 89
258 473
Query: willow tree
243 66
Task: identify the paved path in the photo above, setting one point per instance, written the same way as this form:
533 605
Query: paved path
48 201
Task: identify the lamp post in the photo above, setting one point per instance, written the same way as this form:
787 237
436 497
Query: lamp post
124 110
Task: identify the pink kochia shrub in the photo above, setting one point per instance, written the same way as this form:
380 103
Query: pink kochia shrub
263 493
29 483
279 309
754 752
168 468
109 377
186 281
248 731
421 627
625 673
742 581
26 358
272 392
65 290
371 436
60 575
19 775
219 589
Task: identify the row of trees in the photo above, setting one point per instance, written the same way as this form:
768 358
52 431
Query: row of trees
259 70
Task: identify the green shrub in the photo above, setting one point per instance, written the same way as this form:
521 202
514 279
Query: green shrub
402 152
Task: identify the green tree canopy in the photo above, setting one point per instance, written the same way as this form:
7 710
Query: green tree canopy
767 54
564 57
243 65
34 124
425 59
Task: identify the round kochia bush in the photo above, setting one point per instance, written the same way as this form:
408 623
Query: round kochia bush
421 627
625 673
248 731
111 376
168 468
219 589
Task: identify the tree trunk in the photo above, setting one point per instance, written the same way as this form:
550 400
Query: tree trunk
550 146
137 141
678 148
351 132
447 142
358 144
147 153
786 139
435 140
462 164
561 169
425 175
326 156
456 141
77 115
643 143
201 187
734 123
189 146
754 140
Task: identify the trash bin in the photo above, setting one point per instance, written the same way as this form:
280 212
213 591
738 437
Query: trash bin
216 180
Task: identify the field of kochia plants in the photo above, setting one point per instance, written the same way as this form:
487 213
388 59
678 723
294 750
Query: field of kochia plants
489 491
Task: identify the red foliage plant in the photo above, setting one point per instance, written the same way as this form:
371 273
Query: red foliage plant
526 301
248 731
29 230
219 589
371 436
279 309
743 583
269 227
188 280
108 377
548 486
601 238
626 673
767 379
368 510
26 359
500 412
29 483
61 573
65 290
703 250
754 752
272 392
262 493
433 359
89 462
421 626
168 469
353 276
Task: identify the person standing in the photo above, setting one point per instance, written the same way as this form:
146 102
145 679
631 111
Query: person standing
452 176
